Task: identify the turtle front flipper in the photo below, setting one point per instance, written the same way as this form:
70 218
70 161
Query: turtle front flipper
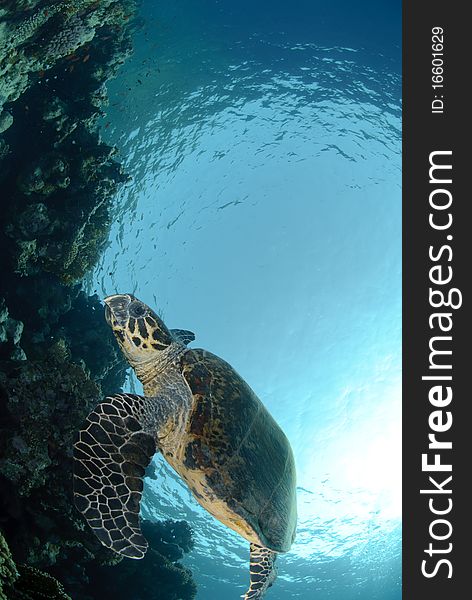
183 336
110 456
262 570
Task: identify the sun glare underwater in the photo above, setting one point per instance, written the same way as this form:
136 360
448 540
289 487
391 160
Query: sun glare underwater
263 141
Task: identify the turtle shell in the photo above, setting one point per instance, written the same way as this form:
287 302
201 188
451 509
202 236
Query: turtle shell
244 457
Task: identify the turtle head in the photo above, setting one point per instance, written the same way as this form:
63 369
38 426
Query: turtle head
140 333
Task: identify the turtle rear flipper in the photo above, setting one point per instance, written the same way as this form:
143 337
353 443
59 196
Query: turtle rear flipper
262 570
110 456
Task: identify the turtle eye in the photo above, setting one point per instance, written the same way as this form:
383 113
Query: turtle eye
137 310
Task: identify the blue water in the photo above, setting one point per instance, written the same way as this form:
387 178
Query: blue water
264 214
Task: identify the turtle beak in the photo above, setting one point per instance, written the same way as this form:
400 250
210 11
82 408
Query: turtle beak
116 309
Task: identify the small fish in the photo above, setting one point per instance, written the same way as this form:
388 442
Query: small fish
85 58
139 81
71 68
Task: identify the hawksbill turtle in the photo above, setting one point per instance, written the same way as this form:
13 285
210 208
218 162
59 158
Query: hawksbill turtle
210 427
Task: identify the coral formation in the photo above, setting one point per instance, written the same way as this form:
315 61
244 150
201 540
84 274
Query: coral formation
34 584
67 40
54 62
34 41
25 583
8 571
42 402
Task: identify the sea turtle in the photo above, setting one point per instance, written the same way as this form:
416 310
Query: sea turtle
210 427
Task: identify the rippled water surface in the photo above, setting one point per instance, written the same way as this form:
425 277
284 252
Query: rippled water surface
264 214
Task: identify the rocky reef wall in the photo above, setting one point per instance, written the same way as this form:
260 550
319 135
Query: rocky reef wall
58 181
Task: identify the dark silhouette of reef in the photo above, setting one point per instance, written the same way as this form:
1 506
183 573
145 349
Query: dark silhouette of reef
24 582
57 355
158 576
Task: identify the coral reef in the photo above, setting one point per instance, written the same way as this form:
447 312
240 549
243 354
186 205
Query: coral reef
54 61
76 33
35 40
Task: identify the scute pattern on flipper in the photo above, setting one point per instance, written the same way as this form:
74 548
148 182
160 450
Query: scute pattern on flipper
263 571
111 454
